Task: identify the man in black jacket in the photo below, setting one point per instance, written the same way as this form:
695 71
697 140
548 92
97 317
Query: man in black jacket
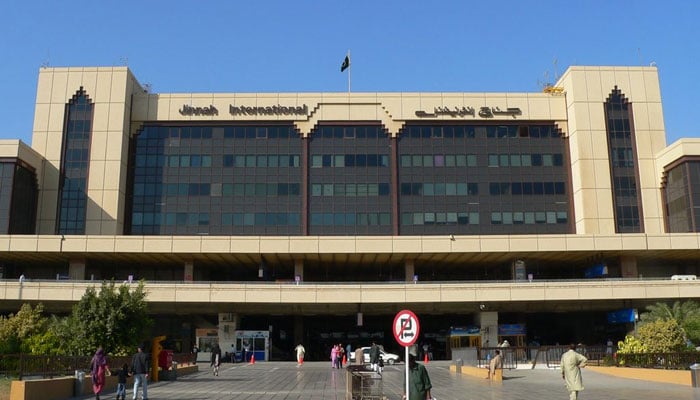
139 367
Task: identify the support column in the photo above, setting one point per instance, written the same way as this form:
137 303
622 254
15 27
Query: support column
299 331
299 271
228 323
76 269
409 270
189 271
488 322
628 267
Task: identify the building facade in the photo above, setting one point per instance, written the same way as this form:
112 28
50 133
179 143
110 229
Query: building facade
285 212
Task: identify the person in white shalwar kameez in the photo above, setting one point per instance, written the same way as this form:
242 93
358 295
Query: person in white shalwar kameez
571 364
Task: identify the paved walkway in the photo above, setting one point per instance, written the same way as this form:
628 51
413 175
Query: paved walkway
316 381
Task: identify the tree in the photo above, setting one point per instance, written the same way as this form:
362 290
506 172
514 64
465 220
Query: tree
115 319
662 336
686 314
17 328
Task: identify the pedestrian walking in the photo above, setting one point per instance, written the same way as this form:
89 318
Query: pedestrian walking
571 364
216 358
122 375
300 350
139 368
99 368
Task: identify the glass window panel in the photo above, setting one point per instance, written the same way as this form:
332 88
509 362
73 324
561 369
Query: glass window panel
417 218
339 161
473 218
439 160
328 189
185 161
452 218
362 189
428 189
461 160
450 160
515 160
503 160
405 160
261 161
493 160
507 218
547 160
540 217
250 161
416 160
451 189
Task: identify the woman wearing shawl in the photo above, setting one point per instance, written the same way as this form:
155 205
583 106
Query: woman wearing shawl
99 368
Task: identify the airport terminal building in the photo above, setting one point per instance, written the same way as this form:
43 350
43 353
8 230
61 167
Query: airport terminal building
316 217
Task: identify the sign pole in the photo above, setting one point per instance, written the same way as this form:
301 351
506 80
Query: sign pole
408 395
406 329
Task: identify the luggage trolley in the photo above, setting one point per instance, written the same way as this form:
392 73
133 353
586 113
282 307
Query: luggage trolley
364 385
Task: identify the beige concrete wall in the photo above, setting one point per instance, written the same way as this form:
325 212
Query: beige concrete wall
110 90
392 109
586 89
396 293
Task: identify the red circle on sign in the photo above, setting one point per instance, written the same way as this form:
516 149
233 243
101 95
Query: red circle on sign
406 328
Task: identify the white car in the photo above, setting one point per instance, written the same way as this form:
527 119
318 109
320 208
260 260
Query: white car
389 358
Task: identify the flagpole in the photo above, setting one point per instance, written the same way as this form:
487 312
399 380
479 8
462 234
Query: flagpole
349 69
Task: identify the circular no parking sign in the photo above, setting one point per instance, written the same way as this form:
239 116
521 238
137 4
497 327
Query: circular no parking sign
406 328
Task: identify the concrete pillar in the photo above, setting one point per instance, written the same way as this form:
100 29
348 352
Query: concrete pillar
299 331
189 272
299 270
409 270
628 267
488 322
228 323
76 269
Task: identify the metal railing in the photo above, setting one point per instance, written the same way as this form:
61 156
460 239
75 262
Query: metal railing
27 365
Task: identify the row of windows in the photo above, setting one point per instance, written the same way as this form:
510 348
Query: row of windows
74 166
472 131
260 219
207 132
349 160
349 132
439 189
183 160
350 219
440 218
261 160
518 218
438 160
352 160
216 189
350 189
526 160
526 188
622 157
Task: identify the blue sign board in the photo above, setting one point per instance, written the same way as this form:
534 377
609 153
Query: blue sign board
622 316
511 329
597 271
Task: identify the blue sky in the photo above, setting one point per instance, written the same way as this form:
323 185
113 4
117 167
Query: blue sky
298 46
